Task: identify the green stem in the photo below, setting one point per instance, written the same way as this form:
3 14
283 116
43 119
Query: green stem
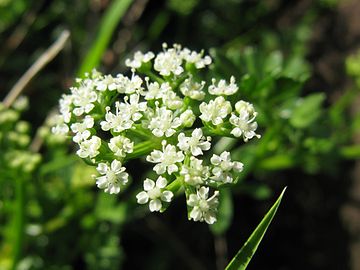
142 149
19 221
218 131
139 132
153 76
175 185
179 81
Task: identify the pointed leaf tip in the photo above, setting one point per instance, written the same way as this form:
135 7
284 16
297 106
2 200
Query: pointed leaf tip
245 254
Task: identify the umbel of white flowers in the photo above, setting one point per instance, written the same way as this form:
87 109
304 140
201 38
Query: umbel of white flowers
167 113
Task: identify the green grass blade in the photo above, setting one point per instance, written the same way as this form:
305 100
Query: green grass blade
111 19
243 257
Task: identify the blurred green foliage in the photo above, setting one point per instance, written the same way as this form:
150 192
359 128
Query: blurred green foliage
11 11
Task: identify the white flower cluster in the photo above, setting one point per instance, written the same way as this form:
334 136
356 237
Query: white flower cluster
168 115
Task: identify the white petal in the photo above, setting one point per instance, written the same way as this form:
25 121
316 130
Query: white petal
193 200
155 156
203 192
155 205
176 123
167 196
215 160
169 132
158 132
159 168
149 184
205 145
105 126
210 218
196 214
102 168
115 165
237 132
225 155
197 133
179 156
238 166
183 142
172 168
142 197
161 182
196 151
86 134
101 182
123 177
114 189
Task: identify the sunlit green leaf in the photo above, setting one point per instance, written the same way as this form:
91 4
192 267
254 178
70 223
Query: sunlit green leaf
307 110
351 152
277 162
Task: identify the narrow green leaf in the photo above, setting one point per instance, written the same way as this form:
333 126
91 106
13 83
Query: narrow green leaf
243 257
107 27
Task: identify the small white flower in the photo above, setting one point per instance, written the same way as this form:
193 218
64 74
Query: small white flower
166 159
156 193
193 89
187 118
138 59
194 144
112 178
121 83
244 123
163 122
121 145
223 167
196 58
215 111
83 98
248 107
169 61
94 75
172 101
65 104
89 148
60 129
133 107
203 208
223 88
134 85
156 91
195 173
107 83
117 122
81 129
243 126
58 125
129 86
